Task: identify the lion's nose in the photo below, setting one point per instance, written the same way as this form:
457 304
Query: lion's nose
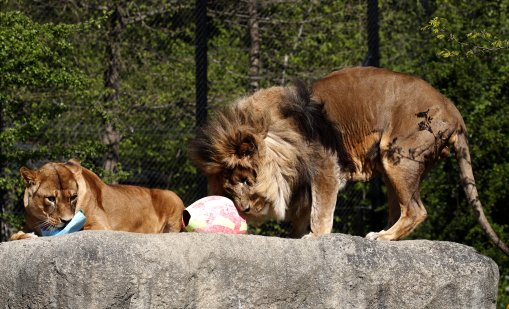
247 209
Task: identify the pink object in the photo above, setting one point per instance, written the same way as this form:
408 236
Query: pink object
214 214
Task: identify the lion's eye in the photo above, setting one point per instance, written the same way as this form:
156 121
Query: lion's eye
74 198
51 199
244 181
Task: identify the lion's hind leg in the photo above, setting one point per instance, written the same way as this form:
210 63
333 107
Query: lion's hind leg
393 210
402 179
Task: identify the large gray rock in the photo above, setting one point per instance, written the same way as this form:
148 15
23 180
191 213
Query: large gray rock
121 270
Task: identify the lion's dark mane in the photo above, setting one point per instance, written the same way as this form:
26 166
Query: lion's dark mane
313 122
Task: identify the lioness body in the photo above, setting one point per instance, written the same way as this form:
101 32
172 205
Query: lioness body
58 190
284 153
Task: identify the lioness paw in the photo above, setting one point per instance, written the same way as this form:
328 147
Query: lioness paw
22 235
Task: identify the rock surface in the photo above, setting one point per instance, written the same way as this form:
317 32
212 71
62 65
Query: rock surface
190 270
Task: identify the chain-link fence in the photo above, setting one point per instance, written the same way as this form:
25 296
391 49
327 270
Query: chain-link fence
153 69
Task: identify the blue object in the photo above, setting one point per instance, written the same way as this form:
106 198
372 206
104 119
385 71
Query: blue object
76 224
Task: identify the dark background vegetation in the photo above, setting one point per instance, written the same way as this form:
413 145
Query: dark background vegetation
112 83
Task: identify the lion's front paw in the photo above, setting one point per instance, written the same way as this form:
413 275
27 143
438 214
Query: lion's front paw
310 235
22 235
374 235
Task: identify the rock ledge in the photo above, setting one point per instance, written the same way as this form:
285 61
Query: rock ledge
118 270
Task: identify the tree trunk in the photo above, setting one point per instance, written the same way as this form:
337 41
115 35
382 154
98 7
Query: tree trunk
111 137
254 49
286 58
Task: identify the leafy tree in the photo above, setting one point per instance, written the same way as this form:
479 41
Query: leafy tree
39 80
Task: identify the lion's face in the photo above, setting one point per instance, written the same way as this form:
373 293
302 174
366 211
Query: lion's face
240 185
51 194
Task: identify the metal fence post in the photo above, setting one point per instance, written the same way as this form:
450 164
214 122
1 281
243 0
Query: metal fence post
373 59
201 75
373 56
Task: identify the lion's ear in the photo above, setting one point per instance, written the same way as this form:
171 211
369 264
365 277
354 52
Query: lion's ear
74 166
29 176
247 147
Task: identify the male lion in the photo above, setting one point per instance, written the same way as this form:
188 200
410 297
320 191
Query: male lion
285 152
56 191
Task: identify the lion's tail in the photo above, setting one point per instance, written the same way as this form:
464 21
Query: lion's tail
468 182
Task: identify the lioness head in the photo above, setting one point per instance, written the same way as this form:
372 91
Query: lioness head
51 193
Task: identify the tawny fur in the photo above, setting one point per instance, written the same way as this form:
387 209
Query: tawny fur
56 191
284 153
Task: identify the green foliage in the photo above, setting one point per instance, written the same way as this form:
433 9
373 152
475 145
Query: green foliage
474 42
39 78
32 55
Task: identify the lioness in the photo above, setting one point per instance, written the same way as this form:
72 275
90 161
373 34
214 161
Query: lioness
284 153
56 191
